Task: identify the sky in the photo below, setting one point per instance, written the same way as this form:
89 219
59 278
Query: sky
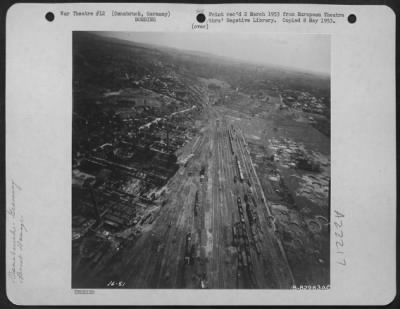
304 52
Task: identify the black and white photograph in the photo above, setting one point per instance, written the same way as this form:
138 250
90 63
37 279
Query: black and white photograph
200 161
165 154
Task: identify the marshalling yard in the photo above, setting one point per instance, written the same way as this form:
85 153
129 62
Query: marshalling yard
226 189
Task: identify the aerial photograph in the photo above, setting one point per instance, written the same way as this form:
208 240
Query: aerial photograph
200 160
